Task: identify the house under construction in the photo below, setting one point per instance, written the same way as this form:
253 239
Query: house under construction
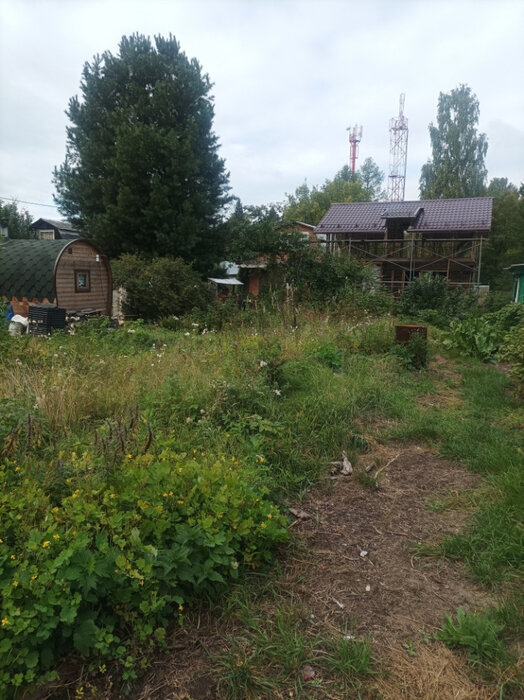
406 239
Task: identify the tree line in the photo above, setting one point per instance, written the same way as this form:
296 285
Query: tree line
142 173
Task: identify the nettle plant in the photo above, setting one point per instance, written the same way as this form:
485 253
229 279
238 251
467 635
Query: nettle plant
102 564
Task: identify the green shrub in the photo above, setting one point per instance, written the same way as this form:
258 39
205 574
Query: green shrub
430 298
414 353
159 287
483 337
318 277
512 350
103 566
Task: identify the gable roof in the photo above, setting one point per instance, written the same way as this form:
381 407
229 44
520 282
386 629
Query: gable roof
64 228
27 268
426 215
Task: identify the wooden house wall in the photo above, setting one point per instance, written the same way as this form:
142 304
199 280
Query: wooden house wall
80 256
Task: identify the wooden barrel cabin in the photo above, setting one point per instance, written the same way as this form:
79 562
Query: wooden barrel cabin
72 274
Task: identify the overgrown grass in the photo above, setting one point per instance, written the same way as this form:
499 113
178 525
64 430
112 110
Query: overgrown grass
284 654
269 399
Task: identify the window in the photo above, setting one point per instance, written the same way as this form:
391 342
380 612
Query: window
82 281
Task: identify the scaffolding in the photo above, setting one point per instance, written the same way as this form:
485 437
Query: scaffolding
398 261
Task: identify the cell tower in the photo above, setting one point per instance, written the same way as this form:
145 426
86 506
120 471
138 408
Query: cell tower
398 154
355 136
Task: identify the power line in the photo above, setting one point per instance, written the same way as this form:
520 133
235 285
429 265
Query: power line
23 201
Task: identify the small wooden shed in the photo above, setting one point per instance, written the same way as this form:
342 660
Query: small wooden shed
73 274
518 281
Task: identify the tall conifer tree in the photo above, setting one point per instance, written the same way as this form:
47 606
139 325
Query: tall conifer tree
142 172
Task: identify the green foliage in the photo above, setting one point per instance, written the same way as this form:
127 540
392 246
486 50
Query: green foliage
278 654
318 276
429 298
483 337
16 222
255 232
512 350
414 353
142 172
310 204
159 287
505 244
478 633
457 167
112 555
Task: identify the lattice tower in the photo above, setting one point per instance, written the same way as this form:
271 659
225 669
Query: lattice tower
355 136
398 154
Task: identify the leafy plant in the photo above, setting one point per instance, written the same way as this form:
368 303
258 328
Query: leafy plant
478 633
159 287
512 350
482 337
112 556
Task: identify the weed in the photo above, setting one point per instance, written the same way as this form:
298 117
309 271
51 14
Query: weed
478 633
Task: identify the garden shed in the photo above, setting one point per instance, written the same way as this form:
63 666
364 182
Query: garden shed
73 274
518 281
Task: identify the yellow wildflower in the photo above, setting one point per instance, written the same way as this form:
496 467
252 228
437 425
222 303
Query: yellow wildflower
164 495
263 525
15 584
17 469
1 541
181 608
112 495
13 556
270 515
180 502
55 509
46 544
33 578
5 622
56 537
141 582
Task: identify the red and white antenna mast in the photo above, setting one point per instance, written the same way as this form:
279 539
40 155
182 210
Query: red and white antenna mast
355 136
398 155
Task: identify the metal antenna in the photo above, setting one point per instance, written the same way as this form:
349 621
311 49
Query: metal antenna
398 154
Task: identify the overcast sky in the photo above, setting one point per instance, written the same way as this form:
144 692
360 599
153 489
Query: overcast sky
289 78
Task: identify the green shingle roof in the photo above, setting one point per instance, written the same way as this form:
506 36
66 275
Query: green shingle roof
27 268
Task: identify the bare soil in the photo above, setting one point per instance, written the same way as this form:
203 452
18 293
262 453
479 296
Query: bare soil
355 568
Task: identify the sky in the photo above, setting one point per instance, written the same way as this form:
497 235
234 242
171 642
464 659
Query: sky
289 78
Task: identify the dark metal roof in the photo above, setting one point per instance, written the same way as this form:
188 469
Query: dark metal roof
472 214
27 268
53 223
64 228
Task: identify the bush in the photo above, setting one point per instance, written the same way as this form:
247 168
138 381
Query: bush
512 351
105 557
483 337
429 298
159 287
318 277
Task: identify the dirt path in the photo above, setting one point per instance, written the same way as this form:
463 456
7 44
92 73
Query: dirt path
356 569
360 544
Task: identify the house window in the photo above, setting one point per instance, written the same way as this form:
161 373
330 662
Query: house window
82 281
47 234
